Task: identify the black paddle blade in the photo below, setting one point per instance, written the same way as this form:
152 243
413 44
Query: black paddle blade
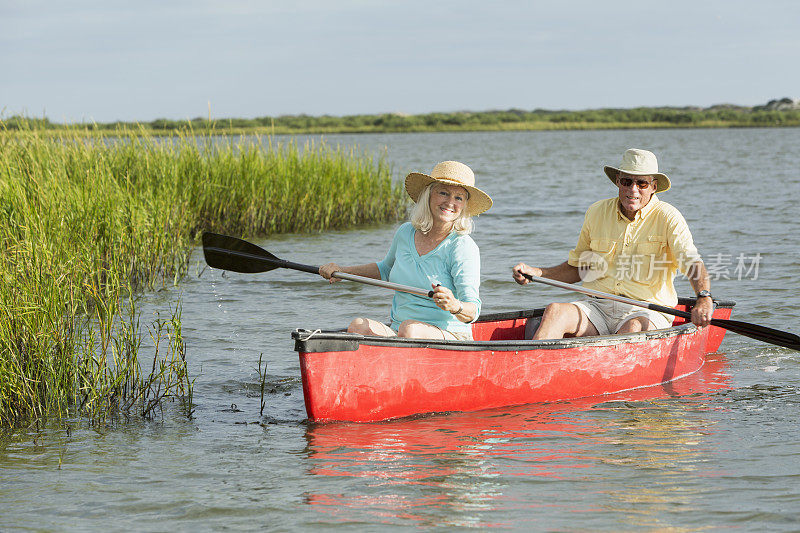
761 333
229 253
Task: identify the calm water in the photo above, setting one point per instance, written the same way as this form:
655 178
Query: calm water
715 451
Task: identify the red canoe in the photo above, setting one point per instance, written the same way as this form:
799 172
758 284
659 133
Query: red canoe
367 379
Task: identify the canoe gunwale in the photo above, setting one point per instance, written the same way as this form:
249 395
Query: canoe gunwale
532 313
319 341
337 341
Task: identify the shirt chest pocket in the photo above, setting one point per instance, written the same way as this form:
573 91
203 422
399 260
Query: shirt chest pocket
603 251
648 260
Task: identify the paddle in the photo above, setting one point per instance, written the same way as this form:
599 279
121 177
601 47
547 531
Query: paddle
754 331
236 255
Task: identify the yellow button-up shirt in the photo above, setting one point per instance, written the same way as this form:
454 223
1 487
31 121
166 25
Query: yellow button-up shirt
636 258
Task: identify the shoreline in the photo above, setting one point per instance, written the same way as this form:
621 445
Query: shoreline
771 115
218 129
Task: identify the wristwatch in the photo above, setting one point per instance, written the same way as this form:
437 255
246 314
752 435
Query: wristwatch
704 293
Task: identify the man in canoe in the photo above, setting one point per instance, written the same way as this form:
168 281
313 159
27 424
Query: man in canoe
433 249
631 245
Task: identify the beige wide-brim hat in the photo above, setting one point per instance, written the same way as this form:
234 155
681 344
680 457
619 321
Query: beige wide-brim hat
451 173
638 162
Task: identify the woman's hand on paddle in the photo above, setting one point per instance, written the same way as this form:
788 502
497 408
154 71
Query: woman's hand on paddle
327 270
702 312
444 299
521 269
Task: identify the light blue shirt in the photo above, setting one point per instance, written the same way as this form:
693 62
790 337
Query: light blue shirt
455 264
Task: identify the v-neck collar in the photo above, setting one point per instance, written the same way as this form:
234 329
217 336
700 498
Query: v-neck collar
414 245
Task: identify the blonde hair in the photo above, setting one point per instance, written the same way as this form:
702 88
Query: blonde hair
422 218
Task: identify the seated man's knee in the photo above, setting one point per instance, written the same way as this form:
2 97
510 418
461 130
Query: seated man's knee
564 319
552 324
554 310
633 325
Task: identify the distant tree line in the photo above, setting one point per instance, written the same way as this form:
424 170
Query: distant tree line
720 115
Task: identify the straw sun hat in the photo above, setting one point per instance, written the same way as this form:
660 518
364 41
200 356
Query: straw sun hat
451 173
638 162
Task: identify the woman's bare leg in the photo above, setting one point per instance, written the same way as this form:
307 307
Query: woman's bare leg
413 329
367 326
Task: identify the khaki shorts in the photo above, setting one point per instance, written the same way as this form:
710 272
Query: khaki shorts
447 334
457 335
608 316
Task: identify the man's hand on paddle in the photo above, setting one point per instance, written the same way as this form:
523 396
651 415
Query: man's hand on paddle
521 269
702 312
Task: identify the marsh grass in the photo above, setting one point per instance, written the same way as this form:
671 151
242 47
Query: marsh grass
88 223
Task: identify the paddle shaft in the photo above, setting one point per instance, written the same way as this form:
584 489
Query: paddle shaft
614 297
282 263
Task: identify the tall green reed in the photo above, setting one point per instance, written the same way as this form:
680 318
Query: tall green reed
88 223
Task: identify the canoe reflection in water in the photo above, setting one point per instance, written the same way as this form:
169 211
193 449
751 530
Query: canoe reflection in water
473 469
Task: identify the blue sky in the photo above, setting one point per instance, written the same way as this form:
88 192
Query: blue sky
104 61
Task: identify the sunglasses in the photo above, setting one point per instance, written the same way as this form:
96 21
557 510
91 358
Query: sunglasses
641 183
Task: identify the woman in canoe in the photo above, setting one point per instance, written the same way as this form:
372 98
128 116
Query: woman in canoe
432 249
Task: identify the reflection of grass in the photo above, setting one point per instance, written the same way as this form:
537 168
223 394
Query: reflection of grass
86 224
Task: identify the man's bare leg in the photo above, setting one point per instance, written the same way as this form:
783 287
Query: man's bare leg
560 319
639 323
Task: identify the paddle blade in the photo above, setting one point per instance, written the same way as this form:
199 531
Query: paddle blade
229 253
761 333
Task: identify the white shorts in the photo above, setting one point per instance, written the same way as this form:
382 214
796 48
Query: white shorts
608 316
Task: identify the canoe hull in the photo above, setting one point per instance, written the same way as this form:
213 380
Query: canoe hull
372 379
